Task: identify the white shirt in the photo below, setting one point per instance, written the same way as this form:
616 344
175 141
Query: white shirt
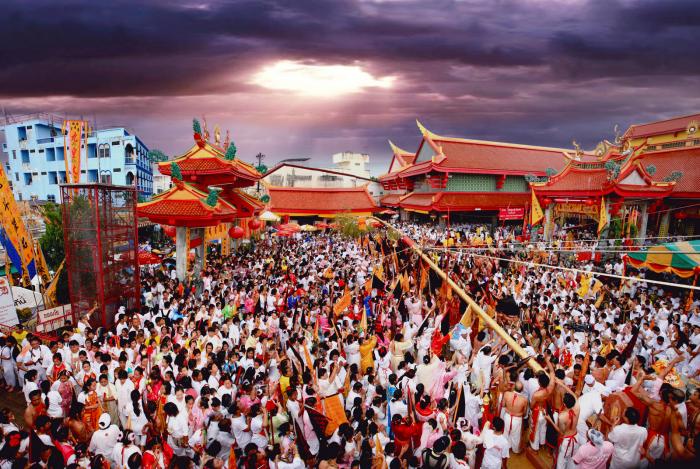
628 440
496 448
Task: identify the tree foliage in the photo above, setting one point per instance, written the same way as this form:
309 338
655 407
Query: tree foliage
52 240
156 156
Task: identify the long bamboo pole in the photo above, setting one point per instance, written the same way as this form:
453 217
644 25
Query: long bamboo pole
490 322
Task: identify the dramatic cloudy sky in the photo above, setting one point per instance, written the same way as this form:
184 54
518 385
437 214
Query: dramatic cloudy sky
312 77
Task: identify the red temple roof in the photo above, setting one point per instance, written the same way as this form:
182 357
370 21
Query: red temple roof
460 155
463 201
184 205
675 124
390 200
320 202
206 164
245 204
666 162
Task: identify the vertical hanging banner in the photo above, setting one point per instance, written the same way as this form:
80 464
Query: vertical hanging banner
73 134
41 268
14 236
8 312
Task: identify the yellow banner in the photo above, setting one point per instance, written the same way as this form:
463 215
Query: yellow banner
603 220
536 213
42 269
576 208
14 228
51 289
73 131
342 304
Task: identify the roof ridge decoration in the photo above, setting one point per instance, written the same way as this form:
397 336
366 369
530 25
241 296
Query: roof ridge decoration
175 172
231 152
433 137
425 132
397 150
213 197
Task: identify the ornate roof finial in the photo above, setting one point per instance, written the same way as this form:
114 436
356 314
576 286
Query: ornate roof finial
196 126
396 150
217 135
426 133
231 152
577 147
227 141
205 135
175 172
618 136
212 197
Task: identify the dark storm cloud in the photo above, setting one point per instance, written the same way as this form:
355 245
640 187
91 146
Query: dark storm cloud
533 71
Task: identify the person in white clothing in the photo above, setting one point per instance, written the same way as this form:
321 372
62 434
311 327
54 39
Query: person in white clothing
628 438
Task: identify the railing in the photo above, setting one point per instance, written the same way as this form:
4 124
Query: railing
45 140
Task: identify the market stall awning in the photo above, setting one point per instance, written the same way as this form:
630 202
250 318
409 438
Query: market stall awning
681 258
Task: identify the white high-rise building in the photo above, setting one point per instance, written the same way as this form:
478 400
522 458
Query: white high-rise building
352 163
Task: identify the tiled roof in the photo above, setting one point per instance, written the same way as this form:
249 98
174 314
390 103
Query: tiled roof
183 205
390 199
464 201
291 200
484 201
492 157
687 161
575 179
675 124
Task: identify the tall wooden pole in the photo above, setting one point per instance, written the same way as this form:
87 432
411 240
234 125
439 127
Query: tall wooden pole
490 322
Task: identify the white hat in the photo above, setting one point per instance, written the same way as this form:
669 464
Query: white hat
104 421
589 379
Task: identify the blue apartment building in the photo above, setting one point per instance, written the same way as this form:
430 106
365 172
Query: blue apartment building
36 161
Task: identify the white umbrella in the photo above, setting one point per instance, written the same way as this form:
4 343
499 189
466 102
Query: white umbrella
268 216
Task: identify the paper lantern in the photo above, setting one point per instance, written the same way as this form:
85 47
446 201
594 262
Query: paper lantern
546 201
236 232
170 230
254 224
589 201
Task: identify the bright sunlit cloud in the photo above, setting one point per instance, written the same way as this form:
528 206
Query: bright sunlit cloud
318 80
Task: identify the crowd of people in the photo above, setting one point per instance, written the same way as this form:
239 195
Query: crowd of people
324 351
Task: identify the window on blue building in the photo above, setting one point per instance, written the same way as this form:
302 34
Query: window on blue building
103 151
61 177
50 154
92 175
51 198
53 177
60 155
27 179
92 150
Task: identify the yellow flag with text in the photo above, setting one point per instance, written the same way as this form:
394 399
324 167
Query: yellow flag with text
14 235
536 213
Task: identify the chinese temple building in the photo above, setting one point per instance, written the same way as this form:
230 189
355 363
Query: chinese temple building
206 198
298 202
648 179
466 180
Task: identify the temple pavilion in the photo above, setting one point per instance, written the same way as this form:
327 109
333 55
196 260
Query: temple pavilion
206 199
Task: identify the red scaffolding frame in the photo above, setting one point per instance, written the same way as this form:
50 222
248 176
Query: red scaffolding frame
100 233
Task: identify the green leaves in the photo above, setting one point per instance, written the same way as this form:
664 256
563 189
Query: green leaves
156 156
